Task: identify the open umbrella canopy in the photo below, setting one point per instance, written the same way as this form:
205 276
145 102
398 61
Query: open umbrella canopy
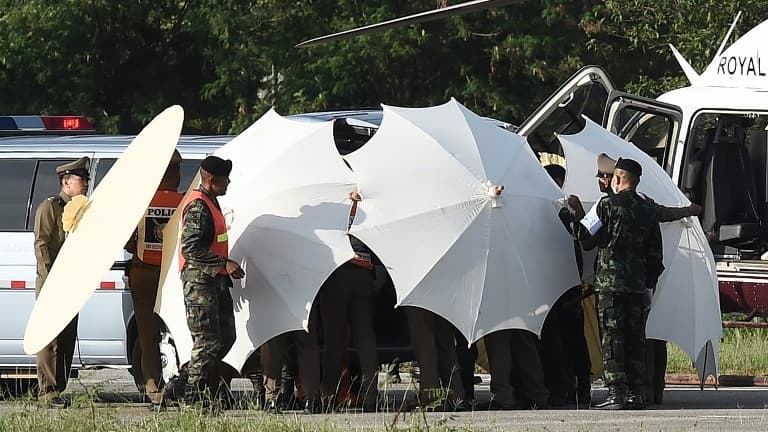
113 211
288 209
453 245
686 307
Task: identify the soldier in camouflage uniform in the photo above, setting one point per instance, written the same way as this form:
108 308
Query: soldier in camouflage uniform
656 350
206 274
629 262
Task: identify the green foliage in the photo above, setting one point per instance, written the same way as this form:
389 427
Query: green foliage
100 418
228 61
743 351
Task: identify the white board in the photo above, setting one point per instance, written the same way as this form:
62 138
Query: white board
116 206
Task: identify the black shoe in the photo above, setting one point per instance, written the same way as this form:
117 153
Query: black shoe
477 379
616 399
54 402
635 401
257 401
174 390
272 407
313 406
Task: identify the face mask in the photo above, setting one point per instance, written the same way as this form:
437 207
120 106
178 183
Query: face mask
613 186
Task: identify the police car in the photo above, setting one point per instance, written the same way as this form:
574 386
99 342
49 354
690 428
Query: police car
30 150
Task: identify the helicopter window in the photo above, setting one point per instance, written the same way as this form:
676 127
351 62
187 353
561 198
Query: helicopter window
725 170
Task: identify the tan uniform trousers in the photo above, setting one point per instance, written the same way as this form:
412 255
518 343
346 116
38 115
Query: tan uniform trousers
515 364
143 280
434 346
273 354
348 299
54 362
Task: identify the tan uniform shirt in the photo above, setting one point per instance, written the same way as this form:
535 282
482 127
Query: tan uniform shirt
49 234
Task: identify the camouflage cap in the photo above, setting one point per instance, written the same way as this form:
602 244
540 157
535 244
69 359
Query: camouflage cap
605 165
78 168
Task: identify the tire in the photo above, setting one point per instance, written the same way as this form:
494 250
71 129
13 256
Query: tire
169 361
138 375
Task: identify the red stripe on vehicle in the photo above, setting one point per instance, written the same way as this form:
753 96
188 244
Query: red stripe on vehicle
107 285
18 284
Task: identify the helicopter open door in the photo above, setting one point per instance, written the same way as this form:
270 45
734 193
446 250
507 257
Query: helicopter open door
652 126
585 93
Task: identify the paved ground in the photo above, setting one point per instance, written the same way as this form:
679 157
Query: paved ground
685 408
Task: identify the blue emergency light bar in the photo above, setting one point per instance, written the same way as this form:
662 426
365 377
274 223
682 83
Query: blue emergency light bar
28 123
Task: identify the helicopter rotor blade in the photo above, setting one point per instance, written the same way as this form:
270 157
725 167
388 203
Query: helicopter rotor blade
449 11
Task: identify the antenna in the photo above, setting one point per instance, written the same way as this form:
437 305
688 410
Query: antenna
728 35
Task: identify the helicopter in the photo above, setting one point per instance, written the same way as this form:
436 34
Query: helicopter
711 137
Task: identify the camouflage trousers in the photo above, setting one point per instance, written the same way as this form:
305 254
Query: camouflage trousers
211 322
622 332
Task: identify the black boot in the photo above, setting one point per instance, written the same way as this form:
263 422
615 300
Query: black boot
313 406
173 392
635 400
615 400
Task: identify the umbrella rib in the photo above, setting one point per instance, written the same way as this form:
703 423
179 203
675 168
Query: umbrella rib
485 273
473 203
452 155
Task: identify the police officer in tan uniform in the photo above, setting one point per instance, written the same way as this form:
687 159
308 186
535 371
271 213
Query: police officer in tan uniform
347 300
54 361
146 245
433 340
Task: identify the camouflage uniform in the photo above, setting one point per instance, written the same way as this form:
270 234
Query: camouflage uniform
208 302
629 261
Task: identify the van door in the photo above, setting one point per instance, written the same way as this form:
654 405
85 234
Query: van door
106 328
584 93
652 126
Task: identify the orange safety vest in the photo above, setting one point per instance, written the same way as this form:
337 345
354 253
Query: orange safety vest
149 246
220 244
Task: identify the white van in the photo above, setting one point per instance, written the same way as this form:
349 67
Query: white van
106 329
107 336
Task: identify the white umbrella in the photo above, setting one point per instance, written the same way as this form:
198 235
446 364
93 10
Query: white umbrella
114 209
288 204
686 307
484 263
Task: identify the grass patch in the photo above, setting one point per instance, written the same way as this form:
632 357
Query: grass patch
191 420
743 351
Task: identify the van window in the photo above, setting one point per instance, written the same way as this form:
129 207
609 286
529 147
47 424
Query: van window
47 184
188 170
16 177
